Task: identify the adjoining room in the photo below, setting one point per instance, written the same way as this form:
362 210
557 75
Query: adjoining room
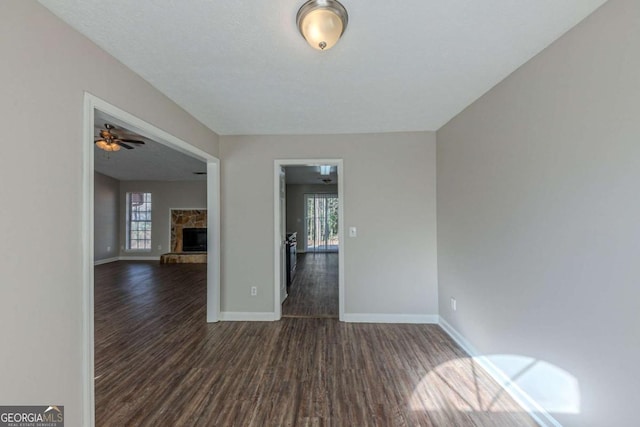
150 251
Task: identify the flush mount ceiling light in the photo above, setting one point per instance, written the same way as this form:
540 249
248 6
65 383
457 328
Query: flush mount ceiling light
322 23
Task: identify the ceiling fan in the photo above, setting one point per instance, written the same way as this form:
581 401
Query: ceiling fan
109 141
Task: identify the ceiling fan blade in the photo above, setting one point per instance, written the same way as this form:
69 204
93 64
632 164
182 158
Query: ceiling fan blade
122 144
132 141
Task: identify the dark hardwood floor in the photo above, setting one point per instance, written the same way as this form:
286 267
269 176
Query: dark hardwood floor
159 364
314 291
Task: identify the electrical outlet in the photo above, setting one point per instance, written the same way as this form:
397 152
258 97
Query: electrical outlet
454 305
159 247
254 291
108 248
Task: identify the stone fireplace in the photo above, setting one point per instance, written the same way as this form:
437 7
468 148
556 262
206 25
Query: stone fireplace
181 219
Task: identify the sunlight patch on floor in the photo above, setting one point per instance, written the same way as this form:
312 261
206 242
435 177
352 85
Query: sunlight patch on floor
471 389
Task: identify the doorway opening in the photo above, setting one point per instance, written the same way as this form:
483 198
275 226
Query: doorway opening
309 257
95 106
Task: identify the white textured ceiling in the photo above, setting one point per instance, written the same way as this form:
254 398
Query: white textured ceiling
241 67
149 162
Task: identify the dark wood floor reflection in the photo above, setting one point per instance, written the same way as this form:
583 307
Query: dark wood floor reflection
159 364
314 291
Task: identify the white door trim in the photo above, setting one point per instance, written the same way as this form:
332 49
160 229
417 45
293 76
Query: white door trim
276 227
92 103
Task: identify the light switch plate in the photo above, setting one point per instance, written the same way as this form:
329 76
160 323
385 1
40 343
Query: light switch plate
353 232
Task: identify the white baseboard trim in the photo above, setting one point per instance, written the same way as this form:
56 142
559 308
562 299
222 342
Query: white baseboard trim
458 338
106 261
390 318
139 258
237 316
537 412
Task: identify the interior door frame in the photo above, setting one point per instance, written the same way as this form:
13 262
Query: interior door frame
280 163
91 104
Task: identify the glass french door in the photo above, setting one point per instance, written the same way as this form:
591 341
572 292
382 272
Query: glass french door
321 222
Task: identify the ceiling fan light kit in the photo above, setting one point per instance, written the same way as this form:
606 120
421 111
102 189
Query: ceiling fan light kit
109 141
322 22
107 146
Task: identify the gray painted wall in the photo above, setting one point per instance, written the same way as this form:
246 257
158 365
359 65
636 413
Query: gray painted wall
295 206
389 194
106 208
164 197
46 67
538 231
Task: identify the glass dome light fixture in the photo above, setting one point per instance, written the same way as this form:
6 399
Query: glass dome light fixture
322 22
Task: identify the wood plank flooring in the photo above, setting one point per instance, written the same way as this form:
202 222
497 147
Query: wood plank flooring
159 364
314 291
